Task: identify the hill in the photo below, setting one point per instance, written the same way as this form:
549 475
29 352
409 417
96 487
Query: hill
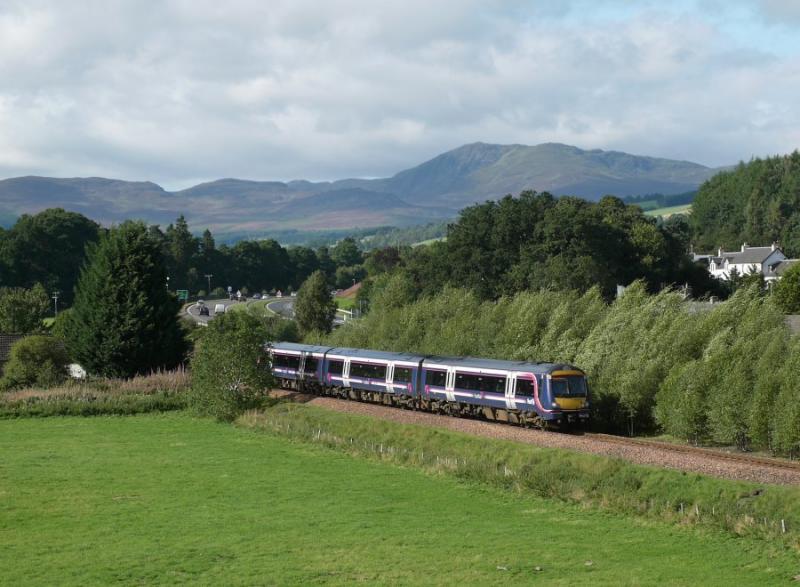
757 203
434 190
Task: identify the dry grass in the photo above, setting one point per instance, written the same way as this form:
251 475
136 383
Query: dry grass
158 391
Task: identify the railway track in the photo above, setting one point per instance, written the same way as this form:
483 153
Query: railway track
696 450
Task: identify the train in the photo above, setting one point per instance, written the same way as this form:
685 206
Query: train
526 393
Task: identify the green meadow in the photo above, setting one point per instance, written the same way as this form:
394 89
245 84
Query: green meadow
167 498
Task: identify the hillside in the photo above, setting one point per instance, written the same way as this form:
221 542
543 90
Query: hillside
435 190
757 203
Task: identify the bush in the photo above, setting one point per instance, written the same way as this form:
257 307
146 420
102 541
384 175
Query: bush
787 291
36 361
230 371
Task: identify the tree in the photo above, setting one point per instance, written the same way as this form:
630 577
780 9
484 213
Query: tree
47 248
315 307
347 253
230 372
36 361
23 310
786 292
124 321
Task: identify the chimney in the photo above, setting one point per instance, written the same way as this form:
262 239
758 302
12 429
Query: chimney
774 245
719 252
744 246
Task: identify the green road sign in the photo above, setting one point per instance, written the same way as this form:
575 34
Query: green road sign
183 295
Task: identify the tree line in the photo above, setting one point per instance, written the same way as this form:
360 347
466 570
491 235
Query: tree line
537 241
50 248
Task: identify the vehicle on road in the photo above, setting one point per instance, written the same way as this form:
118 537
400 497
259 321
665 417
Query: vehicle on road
219 309
204 310
518 392
256 296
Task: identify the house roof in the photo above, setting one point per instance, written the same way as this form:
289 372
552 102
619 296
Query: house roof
779 268
749 255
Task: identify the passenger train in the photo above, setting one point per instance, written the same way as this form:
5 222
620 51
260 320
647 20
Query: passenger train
530 394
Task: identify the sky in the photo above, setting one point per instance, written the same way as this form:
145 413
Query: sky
184 91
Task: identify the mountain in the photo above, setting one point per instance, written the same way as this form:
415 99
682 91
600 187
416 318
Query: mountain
433 190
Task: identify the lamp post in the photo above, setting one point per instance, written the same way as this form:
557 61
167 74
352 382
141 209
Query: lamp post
55 302
208 277
167 282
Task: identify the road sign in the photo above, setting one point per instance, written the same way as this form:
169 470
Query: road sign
230 289
183 295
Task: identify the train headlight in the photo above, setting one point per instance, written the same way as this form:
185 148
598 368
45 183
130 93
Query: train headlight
555 404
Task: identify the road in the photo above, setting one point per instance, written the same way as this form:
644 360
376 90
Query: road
281 306
194 309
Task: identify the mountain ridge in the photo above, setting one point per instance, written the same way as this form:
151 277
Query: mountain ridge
433 190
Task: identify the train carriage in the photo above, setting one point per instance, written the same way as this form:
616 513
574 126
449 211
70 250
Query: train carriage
298 366
518 392
376 375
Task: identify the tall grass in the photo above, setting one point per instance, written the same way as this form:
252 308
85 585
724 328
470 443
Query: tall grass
158 391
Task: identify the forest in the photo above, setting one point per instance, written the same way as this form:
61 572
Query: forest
756 202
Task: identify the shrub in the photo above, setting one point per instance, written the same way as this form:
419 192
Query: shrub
230 372
39 361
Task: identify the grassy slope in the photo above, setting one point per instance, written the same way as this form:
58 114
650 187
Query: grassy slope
172 499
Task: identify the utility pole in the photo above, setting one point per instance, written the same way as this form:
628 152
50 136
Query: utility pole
55 302
208 277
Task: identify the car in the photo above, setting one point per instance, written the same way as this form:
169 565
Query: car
219 309
256 296
204 311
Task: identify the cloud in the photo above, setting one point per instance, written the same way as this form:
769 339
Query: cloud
182 91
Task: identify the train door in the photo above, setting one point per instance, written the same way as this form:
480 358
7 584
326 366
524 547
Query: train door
450 384
389 378
346 373
301 368
511 383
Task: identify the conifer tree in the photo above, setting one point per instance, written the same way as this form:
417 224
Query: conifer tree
124 321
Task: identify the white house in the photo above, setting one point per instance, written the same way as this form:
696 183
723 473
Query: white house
770 261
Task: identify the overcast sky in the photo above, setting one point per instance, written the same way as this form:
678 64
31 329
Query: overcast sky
183 91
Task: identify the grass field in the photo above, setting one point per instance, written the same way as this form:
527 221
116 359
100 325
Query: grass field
670 210
171 499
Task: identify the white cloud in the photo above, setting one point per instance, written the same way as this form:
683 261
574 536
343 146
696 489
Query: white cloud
182 90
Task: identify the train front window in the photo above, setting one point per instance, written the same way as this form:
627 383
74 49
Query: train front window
570 386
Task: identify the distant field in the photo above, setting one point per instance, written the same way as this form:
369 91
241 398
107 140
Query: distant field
670 210
172 499
430 241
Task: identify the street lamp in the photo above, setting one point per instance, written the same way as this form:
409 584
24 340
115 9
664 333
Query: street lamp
55 302
167 282
208 277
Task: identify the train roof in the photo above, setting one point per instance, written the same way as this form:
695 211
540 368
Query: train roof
480 363
380 355
294 346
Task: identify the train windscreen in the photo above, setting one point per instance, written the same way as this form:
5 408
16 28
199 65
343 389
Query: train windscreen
569 386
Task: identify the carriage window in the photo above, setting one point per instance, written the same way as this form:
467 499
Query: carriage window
285 361
336 367
311 364
368 370
486 383
402 375
524 388
437 378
